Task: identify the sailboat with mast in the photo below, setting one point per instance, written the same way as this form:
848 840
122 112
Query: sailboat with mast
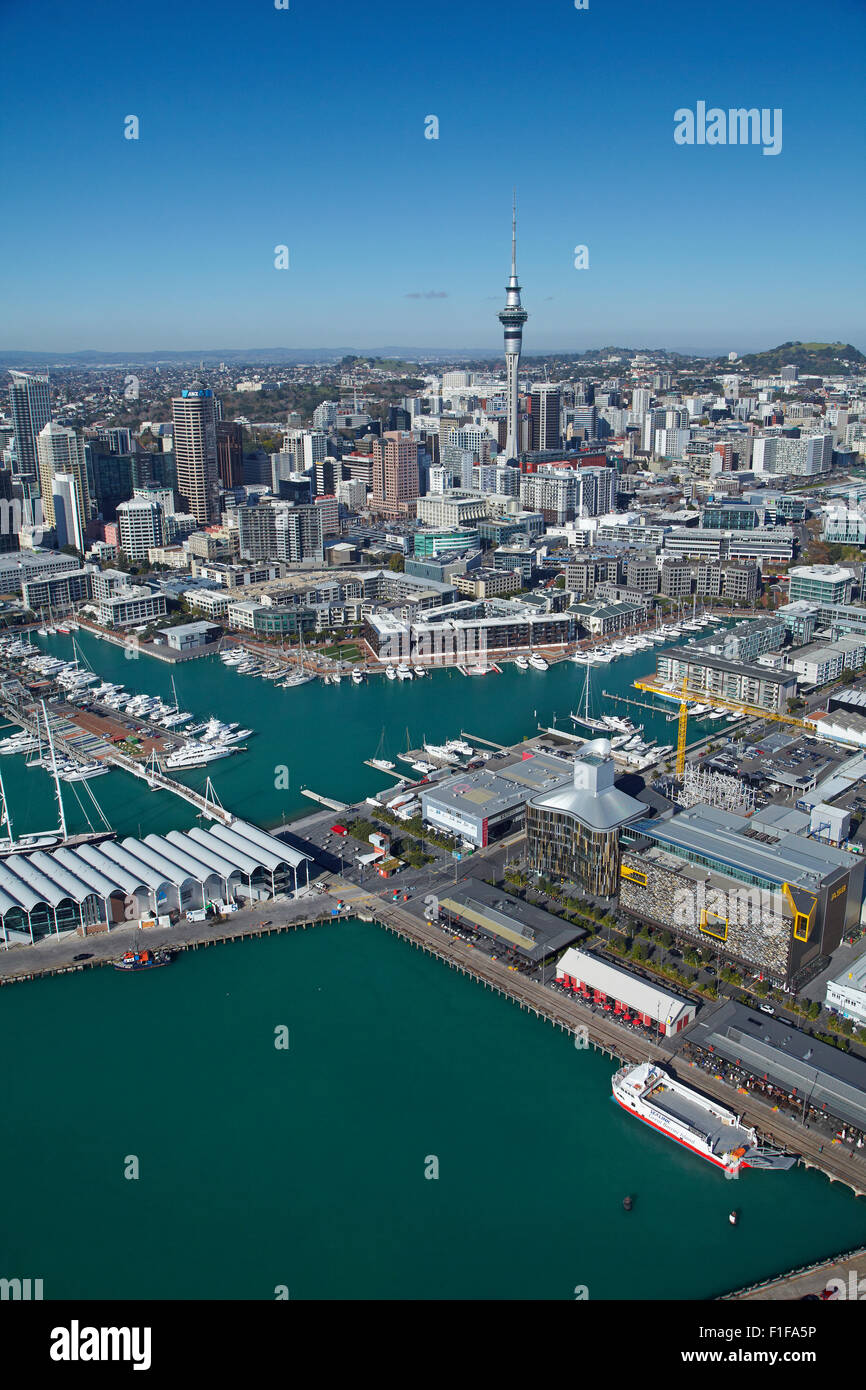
299 676
582 715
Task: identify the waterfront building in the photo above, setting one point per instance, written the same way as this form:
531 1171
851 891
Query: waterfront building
59 592
194 413
30 405
484 806
772 1052
572 831
130 603
800 619
466 631
187 636
708 674
828 585
602 983
846 992
601 618
509 922
93 886
761 896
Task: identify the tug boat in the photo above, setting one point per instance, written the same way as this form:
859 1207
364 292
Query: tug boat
143 960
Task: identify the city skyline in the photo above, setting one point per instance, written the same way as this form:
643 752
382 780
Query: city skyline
696 247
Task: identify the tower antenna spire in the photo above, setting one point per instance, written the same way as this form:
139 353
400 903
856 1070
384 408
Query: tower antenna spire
512 318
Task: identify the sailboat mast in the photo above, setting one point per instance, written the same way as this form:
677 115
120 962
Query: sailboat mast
5 818
54 773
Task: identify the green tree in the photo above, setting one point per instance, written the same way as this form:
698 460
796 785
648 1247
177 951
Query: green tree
396 563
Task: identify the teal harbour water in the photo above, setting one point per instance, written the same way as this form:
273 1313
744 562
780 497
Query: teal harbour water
261 1167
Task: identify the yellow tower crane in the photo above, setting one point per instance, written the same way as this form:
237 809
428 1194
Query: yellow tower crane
682 731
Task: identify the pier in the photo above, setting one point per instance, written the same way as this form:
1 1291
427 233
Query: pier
329 801
808 1279
488 742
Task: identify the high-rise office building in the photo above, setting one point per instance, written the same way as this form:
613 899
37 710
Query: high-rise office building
395 472
512 318
60 449
64 504
545 403
195 446
31 411
230 453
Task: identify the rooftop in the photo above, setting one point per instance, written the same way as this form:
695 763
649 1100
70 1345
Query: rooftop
788 1057
724 840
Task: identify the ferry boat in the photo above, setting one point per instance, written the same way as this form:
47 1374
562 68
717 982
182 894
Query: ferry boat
143 960
693 1120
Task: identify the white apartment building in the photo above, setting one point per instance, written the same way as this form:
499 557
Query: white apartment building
141 527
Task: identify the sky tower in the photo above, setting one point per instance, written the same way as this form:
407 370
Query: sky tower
512 318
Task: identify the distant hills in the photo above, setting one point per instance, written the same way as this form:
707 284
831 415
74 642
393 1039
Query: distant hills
819 359
813 359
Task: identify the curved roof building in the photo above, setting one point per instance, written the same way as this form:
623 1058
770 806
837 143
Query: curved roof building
104 884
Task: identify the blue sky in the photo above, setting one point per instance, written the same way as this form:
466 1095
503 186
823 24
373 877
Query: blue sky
305 127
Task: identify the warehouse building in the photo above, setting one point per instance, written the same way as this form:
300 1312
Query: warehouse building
814 1073
846 993
621 993
766 898
95 887
508 922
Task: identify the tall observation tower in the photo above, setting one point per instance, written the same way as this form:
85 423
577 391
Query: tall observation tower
512 318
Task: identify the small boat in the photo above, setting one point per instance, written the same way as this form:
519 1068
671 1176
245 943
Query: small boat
522 663
627 1203
357 677
390 673
733 1217
383 764
143 960
538 662
419 671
